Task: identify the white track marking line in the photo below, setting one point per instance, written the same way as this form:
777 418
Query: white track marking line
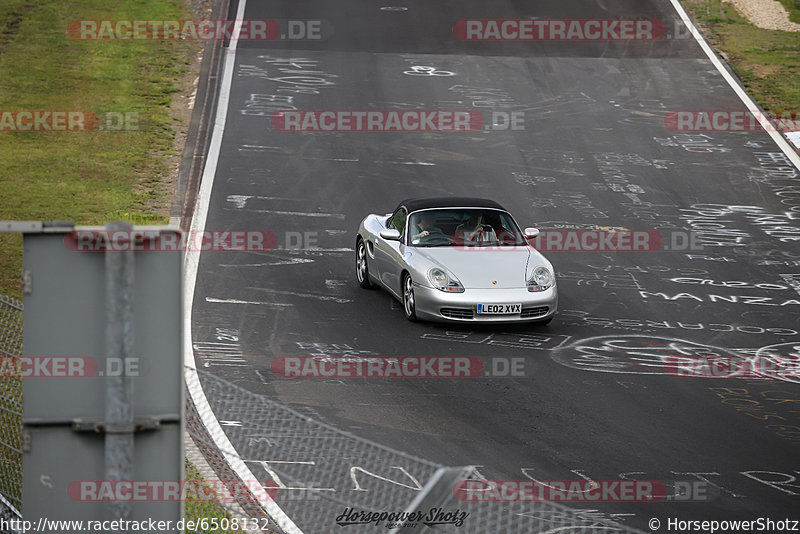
296 213
290 261
215 300
191 264
338 300
240 200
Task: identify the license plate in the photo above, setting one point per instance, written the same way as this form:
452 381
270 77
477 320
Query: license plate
499 309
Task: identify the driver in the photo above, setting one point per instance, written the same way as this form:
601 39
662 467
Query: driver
476 230
427 226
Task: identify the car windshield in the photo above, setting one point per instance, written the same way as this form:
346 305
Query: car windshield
470 227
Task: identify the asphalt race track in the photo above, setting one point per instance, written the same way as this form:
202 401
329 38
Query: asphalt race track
593 396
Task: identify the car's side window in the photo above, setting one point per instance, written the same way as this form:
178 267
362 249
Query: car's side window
398 220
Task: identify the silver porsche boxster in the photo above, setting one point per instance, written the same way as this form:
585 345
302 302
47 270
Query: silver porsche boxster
456 259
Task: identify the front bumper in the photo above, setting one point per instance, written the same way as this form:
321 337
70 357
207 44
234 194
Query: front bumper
435 305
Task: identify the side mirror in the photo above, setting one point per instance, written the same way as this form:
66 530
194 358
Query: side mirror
530 233
390 234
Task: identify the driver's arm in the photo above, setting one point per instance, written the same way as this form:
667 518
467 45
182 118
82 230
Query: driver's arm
420 233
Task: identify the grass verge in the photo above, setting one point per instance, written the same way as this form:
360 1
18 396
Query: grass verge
767 61
793 8
210 516
100 175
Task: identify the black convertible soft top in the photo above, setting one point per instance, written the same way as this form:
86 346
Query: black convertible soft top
415 204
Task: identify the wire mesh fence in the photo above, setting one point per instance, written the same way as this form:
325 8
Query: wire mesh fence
317 476
220 495
10 406
321 476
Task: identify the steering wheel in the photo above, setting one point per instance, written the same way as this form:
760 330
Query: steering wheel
433 239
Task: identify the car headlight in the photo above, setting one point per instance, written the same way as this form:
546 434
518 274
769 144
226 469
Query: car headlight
541 279
444 282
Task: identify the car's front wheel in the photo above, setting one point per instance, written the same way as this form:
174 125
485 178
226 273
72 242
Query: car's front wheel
362 269
409 302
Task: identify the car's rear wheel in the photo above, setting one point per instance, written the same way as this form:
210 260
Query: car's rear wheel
409 302
362 269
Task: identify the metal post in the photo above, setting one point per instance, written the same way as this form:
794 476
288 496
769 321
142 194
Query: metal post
437 491
119 278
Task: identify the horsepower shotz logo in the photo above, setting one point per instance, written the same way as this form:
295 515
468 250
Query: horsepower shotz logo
430 518
376 121
558 30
